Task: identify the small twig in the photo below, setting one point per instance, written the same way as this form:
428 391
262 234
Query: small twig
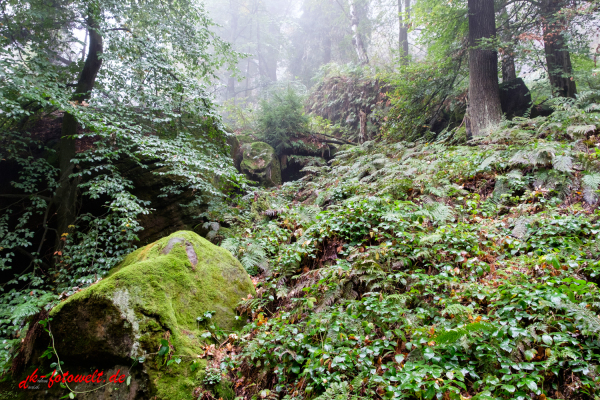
25 196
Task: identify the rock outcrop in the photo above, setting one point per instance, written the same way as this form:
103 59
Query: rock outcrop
157 293
260 163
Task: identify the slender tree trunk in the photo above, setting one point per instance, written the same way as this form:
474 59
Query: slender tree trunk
558 58
234 25
259 49
362 136
84 46
356 37
484 109
66 194
403 34
272 51
327 48
509 71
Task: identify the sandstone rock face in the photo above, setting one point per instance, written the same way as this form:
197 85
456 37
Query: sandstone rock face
168 215
234 150
157 293
261 164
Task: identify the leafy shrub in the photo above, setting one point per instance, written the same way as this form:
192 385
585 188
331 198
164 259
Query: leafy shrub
281 119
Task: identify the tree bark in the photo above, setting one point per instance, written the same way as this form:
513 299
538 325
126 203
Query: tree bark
233 26
356 37
362 136
66 194
484 108
509 71
558 58
272 51
327 48
403 33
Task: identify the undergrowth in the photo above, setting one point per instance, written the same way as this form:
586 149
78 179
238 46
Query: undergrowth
426 270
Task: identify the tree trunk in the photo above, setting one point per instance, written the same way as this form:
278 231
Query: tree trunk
509 71
66 193
233 27
558 58
484 108
362 136
327 48
272 51
259 49
403 34
84 46
356 37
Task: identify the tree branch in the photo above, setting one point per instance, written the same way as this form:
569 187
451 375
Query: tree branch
25 196
30 256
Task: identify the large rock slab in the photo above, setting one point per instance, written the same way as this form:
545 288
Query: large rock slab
157 293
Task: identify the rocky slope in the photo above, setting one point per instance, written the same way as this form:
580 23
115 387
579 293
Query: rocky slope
416 270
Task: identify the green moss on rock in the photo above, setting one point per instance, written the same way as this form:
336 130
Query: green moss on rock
260 163
157 292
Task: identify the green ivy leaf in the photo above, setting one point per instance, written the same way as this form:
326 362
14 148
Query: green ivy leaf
509 388
547 339
529 354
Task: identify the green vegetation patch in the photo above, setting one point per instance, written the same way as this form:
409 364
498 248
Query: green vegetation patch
426 270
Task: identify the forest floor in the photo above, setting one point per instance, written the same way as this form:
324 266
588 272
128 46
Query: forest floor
416 270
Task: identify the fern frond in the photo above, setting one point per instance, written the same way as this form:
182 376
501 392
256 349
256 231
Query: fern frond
591 183
588 320
581 129
430 239
23 311
231 244
453 335
487 162
557 353
439 213
458 310
537 326
336 391
563 163
520 229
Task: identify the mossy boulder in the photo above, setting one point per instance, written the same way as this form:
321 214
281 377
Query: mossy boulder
261 164
156 293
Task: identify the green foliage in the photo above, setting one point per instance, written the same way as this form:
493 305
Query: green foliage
281 119
212 376
250 253
425 96
149 106
341 94
427 270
